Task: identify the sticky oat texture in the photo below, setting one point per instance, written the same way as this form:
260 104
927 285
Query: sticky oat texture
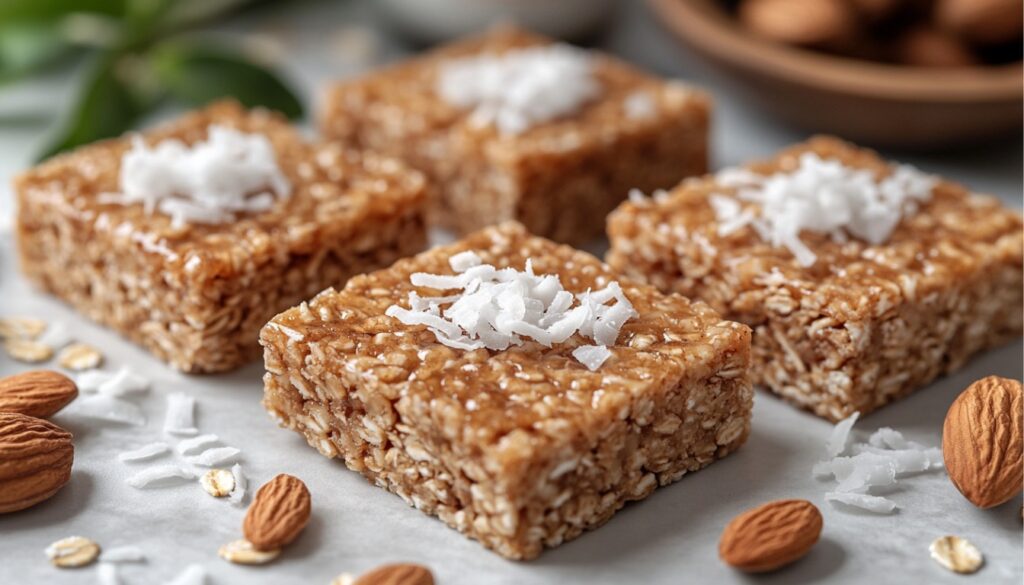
560 178
866 323
520 449
197 295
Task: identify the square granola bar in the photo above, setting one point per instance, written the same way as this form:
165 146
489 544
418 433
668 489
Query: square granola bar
522 448
897 278
510 125
196 294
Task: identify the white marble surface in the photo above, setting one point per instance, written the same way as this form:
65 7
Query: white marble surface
669 538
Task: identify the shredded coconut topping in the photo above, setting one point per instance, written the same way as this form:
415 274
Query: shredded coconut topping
822 196
208 182
519 89
495 308
640 105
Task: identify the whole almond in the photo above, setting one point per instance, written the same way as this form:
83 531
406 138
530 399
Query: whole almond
397 574
816 23
770 536
39 393
982 21
928 47
982 441
278 513
35 460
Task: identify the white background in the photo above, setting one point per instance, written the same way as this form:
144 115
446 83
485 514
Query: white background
669 538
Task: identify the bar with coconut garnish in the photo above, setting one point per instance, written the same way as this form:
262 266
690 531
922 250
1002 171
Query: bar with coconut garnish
515 388
187 238
511 125
862 279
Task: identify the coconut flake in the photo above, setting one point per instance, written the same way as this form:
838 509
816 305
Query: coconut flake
192 575
215 456
238 494
190 446
640 105
123 554
820 196
56 335
463 261
863 471
496 309
144 452
208 182
159 475
107 574
874 464
887 438
91 380
110 409
591 356
521 88
841 435
180 417
874 504
124 382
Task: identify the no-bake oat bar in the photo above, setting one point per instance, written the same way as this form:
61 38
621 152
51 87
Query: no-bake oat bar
193 280
903 279
521 448
510 125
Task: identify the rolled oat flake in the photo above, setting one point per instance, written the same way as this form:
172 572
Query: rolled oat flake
73 551
956 554
218 482
241 552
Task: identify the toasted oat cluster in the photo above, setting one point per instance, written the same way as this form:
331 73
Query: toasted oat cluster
510 126
853 325
523 448
197 293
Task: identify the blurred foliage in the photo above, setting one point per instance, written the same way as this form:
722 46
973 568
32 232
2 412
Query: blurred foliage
139 54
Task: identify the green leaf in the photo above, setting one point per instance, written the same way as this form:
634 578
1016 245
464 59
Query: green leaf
190 12
106 107
26 47
198 73
19 10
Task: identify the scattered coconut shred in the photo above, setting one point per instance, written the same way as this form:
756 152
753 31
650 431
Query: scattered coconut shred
144 452
195 444
123 554
495 309
878 463
191 575
821 196
519 89
160 475
180 417
238 494
207 182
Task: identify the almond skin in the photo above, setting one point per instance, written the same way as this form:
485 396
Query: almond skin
770 536
39 393
812 23
985 22
35 460
398 574
278 513
982 441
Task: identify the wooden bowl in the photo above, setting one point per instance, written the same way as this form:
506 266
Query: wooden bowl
872 103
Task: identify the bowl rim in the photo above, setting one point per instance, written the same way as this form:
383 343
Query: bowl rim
694 23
